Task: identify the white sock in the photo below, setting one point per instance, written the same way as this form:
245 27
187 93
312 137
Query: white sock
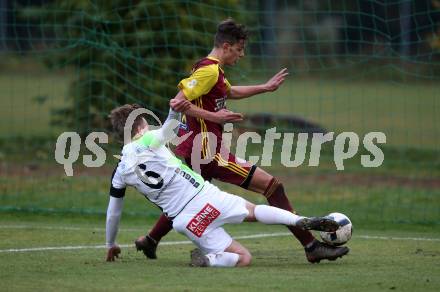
272 215
223 259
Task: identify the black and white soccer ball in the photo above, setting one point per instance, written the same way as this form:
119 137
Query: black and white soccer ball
343 234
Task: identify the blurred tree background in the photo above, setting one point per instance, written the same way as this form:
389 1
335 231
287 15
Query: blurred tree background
121 51
136 51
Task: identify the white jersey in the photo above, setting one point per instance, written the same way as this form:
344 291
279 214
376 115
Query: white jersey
152 169
198 208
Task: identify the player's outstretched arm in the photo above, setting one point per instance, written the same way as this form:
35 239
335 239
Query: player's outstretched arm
180 105
239 92
220 117
113 253
167 132
114 211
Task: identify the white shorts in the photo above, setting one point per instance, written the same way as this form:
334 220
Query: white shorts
202 218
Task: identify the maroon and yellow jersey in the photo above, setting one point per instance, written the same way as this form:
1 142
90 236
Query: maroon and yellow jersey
206 88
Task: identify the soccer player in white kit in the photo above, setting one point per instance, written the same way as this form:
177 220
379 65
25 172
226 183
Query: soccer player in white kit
198 209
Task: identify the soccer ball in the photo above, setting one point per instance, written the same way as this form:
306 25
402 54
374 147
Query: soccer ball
340 236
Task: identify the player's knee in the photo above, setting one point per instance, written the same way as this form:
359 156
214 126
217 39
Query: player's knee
251 212
245 259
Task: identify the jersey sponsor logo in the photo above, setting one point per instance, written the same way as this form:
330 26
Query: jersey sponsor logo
183 126
198 224
188 177
220 103
192 83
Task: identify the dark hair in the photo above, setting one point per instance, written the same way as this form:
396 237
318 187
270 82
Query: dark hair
228 31
118 117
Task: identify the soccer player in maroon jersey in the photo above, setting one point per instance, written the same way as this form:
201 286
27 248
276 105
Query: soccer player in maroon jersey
207 88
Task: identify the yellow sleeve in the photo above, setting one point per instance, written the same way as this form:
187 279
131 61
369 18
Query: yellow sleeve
200 82
228 85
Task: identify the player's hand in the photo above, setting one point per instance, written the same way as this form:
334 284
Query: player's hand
225 116
180 105
273 83
113 253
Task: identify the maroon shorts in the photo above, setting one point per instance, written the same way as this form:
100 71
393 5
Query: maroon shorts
234 170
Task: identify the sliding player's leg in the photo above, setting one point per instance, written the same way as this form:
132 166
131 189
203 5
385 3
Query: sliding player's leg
273 215
216 248
239 172
245 257
201 221
234 255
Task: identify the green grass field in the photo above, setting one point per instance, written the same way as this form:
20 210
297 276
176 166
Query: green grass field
379 260
27 100
396 242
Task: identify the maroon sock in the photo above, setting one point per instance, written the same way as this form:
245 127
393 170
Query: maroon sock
161 228
276 197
